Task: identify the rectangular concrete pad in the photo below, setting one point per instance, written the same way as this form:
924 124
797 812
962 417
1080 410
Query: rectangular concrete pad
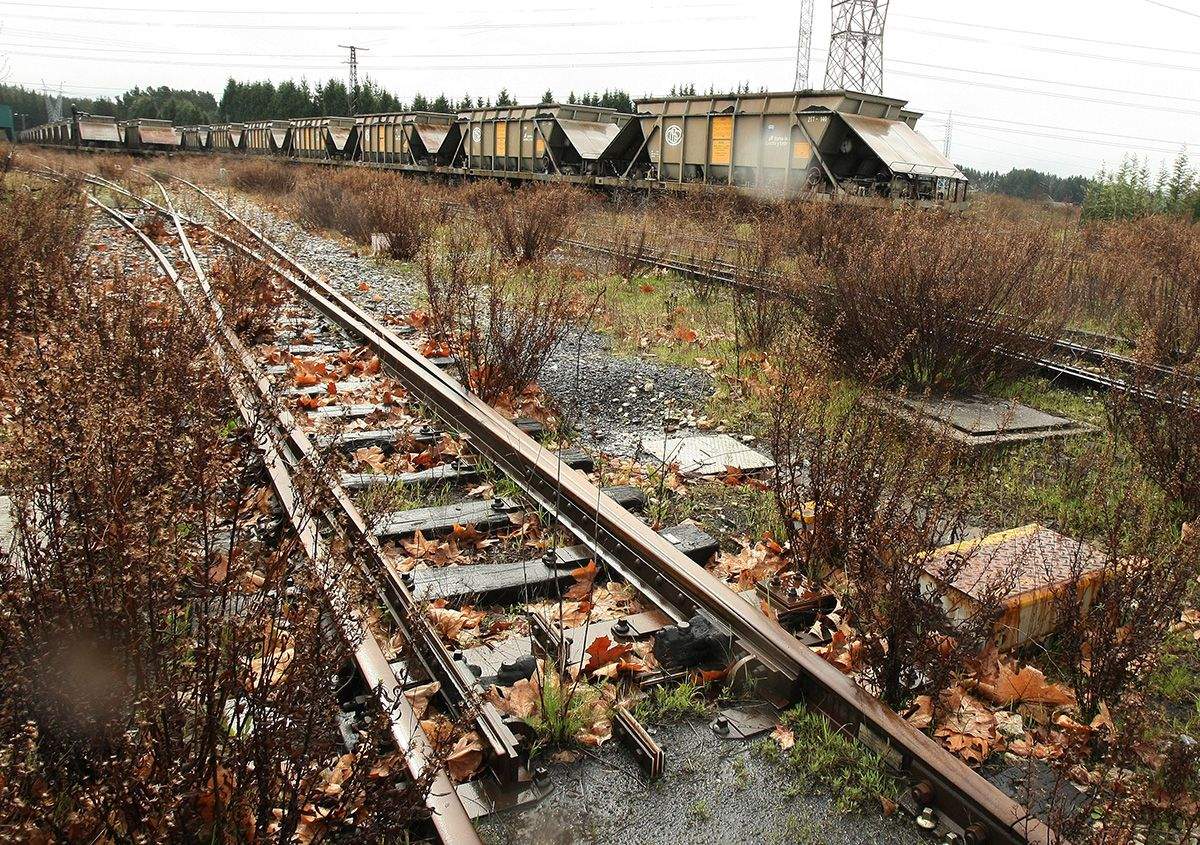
710 454
982 420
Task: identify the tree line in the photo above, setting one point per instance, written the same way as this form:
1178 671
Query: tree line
261 100
1131 191
1028 184
178 106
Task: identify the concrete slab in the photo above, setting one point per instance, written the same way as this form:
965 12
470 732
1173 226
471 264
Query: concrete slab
983 420
710 454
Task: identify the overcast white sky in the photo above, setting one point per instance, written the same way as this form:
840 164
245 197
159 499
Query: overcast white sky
1058 85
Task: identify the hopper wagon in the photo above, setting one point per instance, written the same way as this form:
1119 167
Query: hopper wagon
269 137
146 134
324 137
226 137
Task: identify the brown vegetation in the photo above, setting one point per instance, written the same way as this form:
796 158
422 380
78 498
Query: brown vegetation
1148 274
247 290
41 236
263 177
359 205
500 322
167 670
529 223
880 498
943 303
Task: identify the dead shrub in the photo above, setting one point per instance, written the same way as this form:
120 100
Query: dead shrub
530 222
956 304
248 291
502 323
1109 635
264 177
881 498
758 314
332 202
1146 275
406 213
41 237
1158 417
167 667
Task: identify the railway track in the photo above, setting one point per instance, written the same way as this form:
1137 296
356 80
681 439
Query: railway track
678 590
1068 368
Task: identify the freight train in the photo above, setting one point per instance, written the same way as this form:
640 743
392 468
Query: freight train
823 144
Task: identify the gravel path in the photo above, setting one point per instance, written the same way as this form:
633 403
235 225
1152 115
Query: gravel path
714 791
616 400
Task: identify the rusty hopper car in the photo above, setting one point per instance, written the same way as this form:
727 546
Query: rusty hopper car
193 137
269 137
226 137
414 138
381 138
146 134
324 137
782 141
549 138
97 130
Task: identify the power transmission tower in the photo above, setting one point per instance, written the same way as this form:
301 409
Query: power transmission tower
804 45
353 75
856 46
54 105
947 136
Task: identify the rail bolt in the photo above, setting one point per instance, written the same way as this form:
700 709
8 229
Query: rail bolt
541 777
975 835
622 628
922 793
497 504
950 838
721 725
927 821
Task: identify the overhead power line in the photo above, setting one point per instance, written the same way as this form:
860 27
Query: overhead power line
1043 34
1188 12
342 27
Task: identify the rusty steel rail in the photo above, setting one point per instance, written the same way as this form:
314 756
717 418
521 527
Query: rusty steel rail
682 588
730 276
449 817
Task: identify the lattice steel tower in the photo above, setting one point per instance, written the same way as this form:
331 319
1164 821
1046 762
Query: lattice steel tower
352 94
856 46
804 45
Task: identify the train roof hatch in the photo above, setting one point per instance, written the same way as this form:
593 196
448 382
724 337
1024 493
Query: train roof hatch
900 148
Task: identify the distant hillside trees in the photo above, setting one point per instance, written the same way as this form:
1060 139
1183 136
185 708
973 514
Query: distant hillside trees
1027 184
1130 192
163 103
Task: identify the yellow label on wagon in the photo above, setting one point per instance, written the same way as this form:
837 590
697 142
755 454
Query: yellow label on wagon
722 139
501 139
801 151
